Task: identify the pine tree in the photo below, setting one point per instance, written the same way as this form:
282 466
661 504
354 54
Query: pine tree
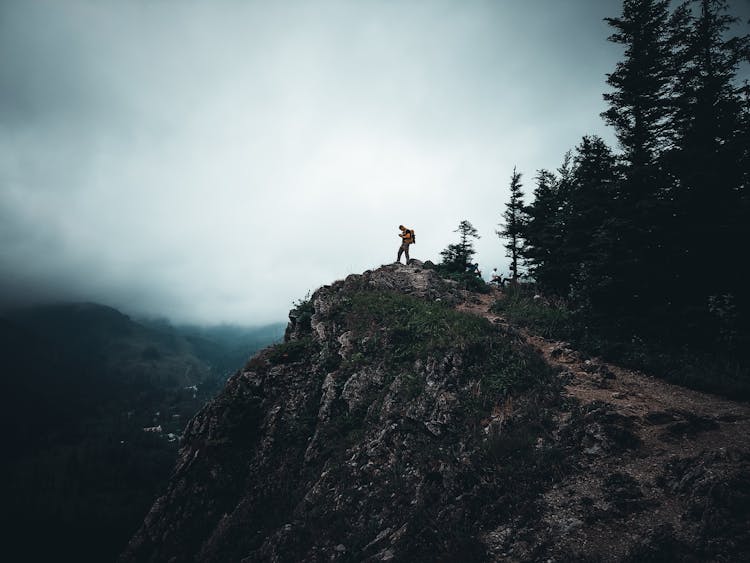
543 234
457 256
513 227
639 108
591 242
711 142
706 60
655 237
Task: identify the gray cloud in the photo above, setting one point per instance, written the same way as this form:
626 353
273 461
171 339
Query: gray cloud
212 161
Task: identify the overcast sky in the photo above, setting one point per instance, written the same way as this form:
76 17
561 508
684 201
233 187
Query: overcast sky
214 161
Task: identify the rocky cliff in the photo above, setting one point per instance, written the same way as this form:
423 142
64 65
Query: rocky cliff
399 421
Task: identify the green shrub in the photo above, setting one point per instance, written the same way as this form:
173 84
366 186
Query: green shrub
415 328
713 372
551 319
302 313
291 351
412 329
466 280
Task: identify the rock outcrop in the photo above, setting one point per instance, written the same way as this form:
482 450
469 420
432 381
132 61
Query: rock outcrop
390 427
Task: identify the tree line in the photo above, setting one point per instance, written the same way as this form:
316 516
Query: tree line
652 239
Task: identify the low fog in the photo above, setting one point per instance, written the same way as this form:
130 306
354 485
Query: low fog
214 161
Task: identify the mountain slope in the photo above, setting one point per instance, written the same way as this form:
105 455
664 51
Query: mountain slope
80 384
389 426
114 345
681 488
360 434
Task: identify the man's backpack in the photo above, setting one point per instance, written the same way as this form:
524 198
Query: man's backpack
413 237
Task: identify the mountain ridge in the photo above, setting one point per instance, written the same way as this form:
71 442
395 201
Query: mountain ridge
390 426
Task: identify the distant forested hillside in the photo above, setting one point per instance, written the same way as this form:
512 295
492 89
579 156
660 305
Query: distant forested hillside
80 383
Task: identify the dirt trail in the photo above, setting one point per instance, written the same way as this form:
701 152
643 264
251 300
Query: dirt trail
661 427
632 393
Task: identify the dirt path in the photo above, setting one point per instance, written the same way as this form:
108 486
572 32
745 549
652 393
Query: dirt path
672 427
633 393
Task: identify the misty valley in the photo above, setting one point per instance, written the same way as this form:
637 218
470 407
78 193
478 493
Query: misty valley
95 403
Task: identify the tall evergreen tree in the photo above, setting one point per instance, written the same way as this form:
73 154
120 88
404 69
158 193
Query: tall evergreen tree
641 83
592 250
711 141
564 265
513 227
641 111
458 255
571 228
706 58
544 235
657 236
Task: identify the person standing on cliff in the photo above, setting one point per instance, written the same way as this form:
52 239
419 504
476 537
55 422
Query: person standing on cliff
407 238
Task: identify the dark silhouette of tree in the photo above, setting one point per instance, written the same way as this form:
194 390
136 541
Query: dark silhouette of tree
544 235
513 227
711 143
457 256
571 226
641 110
641 82
592 248
648 245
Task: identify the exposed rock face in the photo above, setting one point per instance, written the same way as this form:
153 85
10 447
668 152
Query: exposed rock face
388 426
